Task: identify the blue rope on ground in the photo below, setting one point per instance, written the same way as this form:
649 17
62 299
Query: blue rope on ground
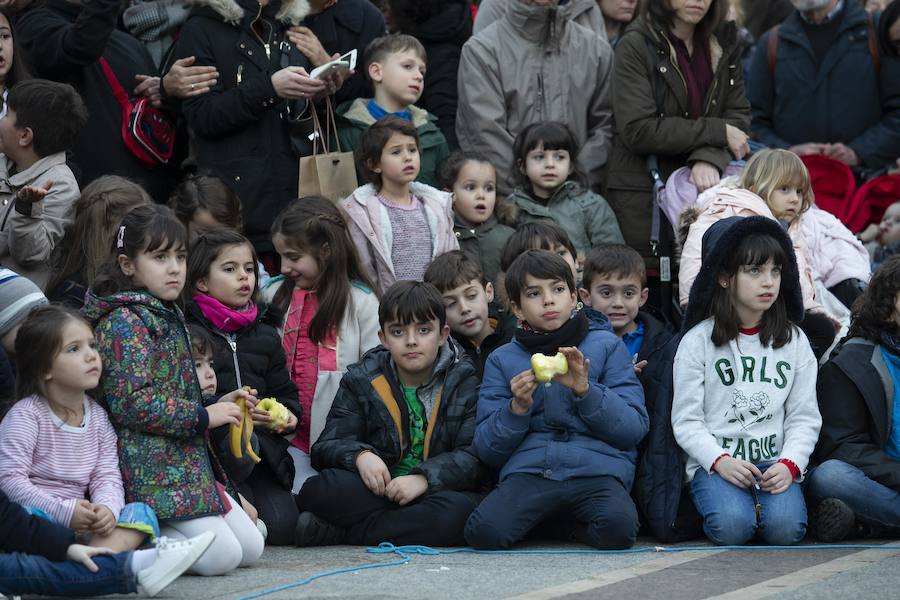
405 553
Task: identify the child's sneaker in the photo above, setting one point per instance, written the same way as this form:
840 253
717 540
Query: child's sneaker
832 520
174 557
313 531
260 524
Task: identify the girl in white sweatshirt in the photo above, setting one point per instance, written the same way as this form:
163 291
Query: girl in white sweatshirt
744 409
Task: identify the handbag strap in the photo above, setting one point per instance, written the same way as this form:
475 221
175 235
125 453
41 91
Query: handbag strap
117 89
331 122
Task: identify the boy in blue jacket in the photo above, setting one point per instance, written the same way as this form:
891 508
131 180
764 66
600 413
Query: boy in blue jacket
565 449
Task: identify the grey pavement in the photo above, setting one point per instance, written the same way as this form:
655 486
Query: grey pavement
796 574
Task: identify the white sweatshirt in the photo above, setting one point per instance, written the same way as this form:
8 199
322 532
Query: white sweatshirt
754 402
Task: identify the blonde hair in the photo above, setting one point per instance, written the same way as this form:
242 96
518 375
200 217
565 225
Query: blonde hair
771 169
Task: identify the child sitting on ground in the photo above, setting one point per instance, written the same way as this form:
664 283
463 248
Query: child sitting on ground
57 447
37 188
615 283
396 66
396 456
472 183
397 225
566 449
551 188
468 300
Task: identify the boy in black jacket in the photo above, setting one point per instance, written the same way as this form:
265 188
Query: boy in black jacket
44 559
395 458
468 300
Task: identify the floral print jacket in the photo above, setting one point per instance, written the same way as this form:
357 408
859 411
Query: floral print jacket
150 389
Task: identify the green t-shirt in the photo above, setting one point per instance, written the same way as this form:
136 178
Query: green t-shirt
417 425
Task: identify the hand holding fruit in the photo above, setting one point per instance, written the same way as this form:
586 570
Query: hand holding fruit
274 415
575 377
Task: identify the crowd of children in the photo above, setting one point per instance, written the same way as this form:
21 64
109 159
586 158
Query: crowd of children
185 383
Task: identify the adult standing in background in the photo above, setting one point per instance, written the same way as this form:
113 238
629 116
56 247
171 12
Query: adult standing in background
583 12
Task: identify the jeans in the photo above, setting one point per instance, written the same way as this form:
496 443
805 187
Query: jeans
729 515
597 511
341 498
872 502
30 574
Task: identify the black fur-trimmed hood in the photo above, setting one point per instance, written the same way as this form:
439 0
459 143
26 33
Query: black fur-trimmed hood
719 241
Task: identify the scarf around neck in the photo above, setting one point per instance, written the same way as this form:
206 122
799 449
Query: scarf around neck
571 334
223 317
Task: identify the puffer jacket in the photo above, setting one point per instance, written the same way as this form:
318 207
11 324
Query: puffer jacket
370 229
239 130
835 254
584 216
562 437
485 242
370 413
535 64
150 389
354 118
842 99
586 13
646 67
736 203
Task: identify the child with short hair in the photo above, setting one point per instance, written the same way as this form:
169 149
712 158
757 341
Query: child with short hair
883 240
397 224
37 188
480 221
222 289
395 64
566 449
78 483
550 187
744 406
330 312
396 456
468 300
615 283
151 391
85 246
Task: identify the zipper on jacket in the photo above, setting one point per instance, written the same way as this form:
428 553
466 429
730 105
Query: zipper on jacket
240 73
540 104
232 343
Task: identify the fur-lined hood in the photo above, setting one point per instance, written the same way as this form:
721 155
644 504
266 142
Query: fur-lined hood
291 12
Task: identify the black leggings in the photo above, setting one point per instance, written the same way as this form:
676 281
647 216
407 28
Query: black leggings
275 504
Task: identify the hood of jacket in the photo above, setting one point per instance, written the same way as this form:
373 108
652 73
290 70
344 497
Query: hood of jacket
597 321
736 198
377 361
234 11
545 24
451 23
525 201
719 242
152 311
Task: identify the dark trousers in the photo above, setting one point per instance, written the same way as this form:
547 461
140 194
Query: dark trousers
597 511
341 498
275 504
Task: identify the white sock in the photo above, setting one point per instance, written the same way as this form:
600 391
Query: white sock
142 559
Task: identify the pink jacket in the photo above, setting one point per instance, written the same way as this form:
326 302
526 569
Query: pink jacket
835 254
737 203
370 228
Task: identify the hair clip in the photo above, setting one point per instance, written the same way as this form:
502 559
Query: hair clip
120 240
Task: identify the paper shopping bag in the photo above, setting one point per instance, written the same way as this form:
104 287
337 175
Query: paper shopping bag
325 173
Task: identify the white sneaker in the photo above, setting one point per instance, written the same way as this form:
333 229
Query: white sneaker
262 528
174 558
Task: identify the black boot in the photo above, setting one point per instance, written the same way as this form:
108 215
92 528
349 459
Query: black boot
832 520
313 531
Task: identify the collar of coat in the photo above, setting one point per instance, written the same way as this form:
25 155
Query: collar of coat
726 36
544 24
291 11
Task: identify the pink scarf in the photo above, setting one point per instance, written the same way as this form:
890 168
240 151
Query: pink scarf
222 317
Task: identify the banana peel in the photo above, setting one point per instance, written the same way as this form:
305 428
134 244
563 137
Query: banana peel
278 411
546 367
239 435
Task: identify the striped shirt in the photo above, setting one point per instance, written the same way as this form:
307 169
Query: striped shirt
47 464
411 247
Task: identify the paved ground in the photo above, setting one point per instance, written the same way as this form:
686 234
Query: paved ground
795 574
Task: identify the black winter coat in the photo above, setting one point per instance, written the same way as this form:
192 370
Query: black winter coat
240 133
22 532
253 356
347 25
370 413
443 35
63 42
856 411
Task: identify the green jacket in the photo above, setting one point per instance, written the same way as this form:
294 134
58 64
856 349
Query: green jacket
584 215
485 242
353 119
